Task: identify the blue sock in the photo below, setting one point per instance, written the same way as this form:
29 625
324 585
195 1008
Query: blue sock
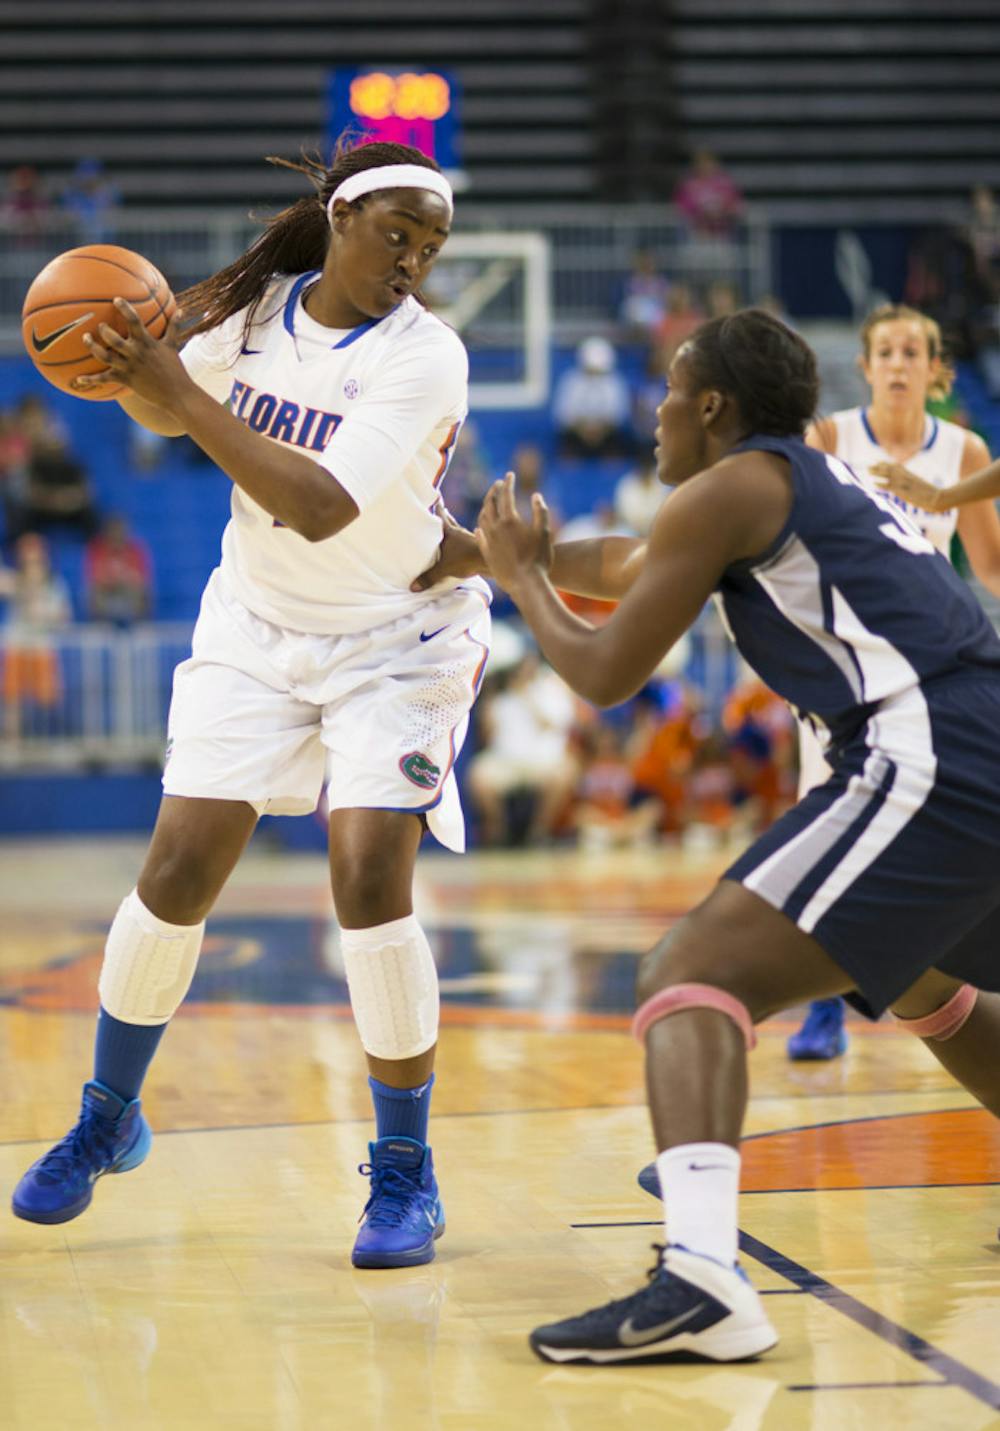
123 1052
401 1112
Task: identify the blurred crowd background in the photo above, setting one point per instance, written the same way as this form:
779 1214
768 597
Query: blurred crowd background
678 160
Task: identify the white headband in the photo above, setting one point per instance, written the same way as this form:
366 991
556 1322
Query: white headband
391 176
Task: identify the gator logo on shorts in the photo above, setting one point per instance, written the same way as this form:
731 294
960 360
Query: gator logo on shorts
419 770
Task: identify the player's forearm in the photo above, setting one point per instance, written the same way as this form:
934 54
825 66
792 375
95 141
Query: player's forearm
571 646
977 487
601 567
294 489
147 415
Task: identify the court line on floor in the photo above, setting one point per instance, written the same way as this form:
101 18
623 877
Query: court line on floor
953 1371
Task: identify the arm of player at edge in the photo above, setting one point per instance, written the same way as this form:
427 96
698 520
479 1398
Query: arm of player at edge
706 524
291 487
601 567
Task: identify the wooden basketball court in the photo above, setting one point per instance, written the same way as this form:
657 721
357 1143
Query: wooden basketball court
212 1288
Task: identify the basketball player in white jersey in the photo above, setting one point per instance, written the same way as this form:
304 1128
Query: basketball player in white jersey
902 362
330 396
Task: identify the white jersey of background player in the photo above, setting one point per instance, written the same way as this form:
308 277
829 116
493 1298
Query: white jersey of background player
318 383
901 358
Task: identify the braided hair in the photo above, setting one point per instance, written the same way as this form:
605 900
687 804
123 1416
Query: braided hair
294 240
760 362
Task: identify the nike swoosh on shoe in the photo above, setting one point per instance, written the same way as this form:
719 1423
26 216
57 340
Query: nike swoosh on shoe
630 1336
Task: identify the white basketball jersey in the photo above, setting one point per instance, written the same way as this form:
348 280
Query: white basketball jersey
379 406
939 462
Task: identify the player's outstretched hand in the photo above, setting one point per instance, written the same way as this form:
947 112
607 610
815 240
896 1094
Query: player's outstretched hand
149 366
458 556
509 544
893 477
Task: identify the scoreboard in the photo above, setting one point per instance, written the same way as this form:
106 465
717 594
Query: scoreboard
416 107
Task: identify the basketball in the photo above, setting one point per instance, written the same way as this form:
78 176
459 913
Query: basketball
73 295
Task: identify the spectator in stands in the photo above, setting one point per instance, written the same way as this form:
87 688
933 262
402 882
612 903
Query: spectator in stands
662 749
761 735
609 811
644 301
91 200
647 395
469 475
682 317
14 449
526 730
25 206
721 298
38 606
708 199
591 404
117 575
639 495
57 489
984 235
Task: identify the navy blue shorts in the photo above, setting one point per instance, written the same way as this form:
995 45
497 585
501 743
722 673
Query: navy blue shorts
893 865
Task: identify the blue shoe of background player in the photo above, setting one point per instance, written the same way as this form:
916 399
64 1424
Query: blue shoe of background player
403 1216
822 1035
110 1136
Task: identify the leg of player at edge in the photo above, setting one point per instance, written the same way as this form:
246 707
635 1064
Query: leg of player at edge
149 961
394 996
731 963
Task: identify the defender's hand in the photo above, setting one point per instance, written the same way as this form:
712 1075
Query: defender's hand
895 478
509 544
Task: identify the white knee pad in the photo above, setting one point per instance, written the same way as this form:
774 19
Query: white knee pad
394 988
148 964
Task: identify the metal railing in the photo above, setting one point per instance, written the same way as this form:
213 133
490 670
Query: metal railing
92 697
591 246
88 695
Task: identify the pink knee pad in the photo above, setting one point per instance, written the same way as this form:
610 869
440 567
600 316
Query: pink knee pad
692 996
946 1021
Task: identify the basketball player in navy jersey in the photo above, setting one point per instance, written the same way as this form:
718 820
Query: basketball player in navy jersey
319 383
844 608
903 363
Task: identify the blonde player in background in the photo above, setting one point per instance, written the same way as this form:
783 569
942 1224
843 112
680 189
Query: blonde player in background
330 396
902 361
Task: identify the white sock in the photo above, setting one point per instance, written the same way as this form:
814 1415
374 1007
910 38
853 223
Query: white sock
700 1183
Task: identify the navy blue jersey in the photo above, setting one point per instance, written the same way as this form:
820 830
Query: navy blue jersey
850 605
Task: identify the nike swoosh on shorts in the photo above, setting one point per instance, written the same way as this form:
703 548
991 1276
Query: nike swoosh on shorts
429 635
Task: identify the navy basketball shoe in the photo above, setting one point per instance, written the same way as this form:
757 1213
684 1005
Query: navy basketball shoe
403 1216
110 1136
822 1035
692 1308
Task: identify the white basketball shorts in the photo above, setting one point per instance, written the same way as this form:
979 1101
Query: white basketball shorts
262 714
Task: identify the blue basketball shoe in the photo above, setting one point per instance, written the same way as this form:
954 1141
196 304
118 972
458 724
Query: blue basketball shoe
692 1308
822 1035
403 1216
110 1136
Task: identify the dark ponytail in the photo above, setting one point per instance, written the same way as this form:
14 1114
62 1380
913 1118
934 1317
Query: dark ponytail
294 240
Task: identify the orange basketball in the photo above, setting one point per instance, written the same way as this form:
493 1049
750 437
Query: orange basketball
73 294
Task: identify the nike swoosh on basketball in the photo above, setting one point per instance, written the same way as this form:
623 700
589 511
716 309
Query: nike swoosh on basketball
429 635
629 1336
41 344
